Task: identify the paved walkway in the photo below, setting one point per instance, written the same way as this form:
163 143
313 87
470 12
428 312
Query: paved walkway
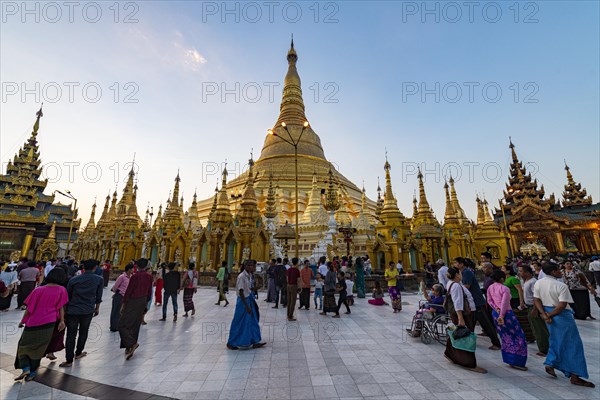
365 355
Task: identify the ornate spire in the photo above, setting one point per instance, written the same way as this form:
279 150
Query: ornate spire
521 187
270 208
292 119
92 221
425 215
480 212
415 206
52 233
458 211
574 194
112 212
249 213
314 211
450 216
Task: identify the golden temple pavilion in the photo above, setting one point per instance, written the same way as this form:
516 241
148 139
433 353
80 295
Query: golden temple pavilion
31 223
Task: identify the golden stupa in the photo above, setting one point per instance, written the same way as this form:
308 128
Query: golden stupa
277 159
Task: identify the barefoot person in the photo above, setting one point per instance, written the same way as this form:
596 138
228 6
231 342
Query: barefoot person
552 298
220 284
514 345
244 331
44 311
460 306
85 296
135 301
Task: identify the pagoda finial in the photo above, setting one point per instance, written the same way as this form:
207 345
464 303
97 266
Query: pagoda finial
36 125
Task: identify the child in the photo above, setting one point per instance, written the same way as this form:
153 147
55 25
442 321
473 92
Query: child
319 291
349 286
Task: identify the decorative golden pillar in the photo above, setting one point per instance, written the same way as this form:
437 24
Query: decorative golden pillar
560 242
26 244
596 237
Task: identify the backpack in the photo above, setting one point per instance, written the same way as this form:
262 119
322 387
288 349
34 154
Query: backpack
449 304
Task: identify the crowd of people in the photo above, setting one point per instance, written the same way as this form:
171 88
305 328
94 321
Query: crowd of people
526 300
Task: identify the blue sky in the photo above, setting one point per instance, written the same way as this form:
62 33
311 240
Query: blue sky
364 66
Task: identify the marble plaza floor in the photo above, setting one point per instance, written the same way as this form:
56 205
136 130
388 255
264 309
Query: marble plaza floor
365 355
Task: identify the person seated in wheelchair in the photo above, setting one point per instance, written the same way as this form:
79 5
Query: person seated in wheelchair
433 306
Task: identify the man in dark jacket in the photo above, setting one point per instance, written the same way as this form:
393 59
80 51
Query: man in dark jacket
172 285
280 284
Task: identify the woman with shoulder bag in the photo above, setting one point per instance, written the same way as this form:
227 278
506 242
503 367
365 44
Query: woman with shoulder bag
459 305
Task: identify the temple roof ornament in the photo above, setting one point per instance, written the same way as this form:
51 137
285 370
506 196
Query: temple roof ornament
574 195
521 187
425 223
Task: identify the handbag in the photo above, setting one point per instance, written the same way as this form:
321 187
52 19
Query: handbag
597 298
467 343
461 332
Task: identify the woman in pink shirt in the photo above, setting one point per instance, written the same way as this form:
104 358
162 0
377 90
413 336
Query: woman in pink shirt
44 310
119 289
514 345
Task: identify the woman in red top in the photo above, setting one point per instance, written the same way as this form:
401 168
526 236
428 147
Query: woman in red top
44 311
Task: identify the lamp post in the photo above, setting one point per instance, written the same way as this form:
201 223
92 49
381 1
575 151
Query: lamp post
70 196
295 144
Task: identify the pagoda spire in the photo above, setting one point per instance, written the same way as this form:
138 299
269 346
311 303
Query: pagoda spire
458 211
249 213
480 212
389 201
291 110
104 214
270 207
574 194
425 214
92 221
112 212
450 216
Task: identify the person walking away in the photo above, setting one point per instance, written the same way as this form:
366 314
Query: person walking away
271 290
57 342
594 267
220 283
517 301
28 277
45 310
470 282
579 287
540 331
280 284
244 331
306 275
135 300
514 345
293 278
119 289
552 298
341 289
349 288
459 303
190 286
172 286
85 296
329 304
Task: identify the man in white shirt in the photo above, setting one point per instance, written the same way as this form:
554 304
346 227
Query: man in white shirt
538 326
323 266
552 298
49 267
594 267
399 267
244 330
442 277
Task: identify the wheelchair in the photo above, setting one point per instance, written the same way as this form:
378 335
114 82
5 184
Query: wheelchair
429 326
